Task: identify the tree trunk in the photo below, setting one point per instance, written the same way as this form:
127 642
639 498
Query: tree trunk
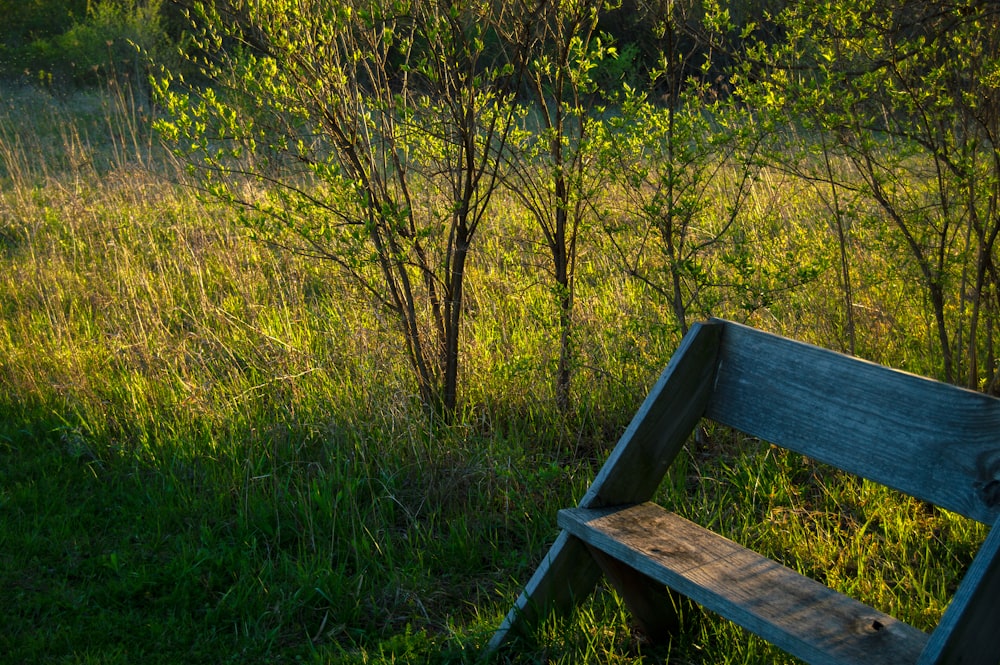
452 328
564 295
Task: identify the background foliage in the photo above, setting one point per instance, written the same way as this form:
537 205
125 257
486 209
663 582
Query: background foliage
84 42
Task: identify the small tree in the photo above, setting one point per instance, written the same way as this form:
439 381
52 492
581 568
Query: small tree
550 169
672 157
321 122
910 97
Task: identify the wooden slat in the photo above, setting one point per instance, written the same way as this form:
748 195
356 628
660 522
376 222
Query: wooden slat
797 614
565 577
969 631
669 414
930 440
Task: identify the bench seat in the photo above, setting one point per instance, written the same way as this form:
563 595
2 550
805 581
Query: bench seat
798 614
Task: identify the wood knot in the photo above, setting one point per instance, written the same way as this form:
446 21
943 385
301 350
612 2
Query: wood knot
990 493
870 624
988 478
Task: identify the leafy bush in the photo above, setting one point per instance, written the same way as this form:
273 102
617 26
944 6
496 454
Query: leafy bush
90 46
28 20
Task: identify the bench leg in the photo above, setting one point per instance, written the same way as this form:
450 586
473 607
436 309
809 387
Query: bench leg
654 607
565 577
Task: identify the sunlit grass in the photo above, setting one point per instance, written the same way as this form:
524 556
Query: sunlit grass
213 451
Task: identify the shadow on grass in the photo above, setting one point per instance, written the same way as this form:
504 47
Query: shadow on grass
277 546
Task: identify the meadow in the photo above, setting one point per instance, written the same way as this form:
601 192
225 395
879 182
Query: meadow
212 450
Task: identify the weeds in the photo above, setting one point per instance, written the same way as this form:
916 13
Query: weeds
211 451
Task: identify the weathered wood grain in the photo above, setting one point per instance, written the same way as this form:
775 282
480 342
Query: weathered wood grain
797 614
930 440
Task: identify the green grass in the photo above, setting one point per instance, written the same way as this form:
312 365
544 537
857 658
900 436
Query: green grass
212 452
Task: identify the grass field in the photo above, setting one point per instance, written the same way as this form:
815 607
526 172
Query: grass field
212 451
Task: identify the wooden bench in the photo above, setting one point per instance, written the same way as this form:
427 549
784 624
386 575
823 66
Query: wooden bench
933 441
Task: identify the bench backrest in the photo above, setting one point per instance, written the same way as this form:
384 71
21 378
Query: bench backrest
933 441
